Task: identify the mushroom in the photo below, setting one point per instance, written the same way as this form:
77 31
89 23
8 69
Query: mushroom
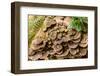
83 45
36 56
37 44
67 21
56 27
37 41
53 35
57 42
84 41
51 52
77 40
72 45
83 51
65 44
51 23
69 56
62 29
48 24
65 39
74 51
71 32
77 35
59 35
45 56
30 52
59 52
57 48
65 53
84 38
59 19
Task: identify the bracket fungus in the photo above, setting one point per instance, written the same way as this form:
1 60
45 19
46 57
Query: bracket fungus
60 41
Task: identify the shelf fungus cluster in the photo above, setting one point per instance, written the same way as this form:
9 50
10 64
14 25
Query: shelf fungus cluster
56 41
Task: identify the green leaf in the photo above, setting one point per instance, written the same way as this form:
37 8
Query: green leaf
78 23
34 25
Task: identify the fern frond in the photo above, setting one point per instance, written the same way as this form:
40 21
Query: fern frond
79 23
34 26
